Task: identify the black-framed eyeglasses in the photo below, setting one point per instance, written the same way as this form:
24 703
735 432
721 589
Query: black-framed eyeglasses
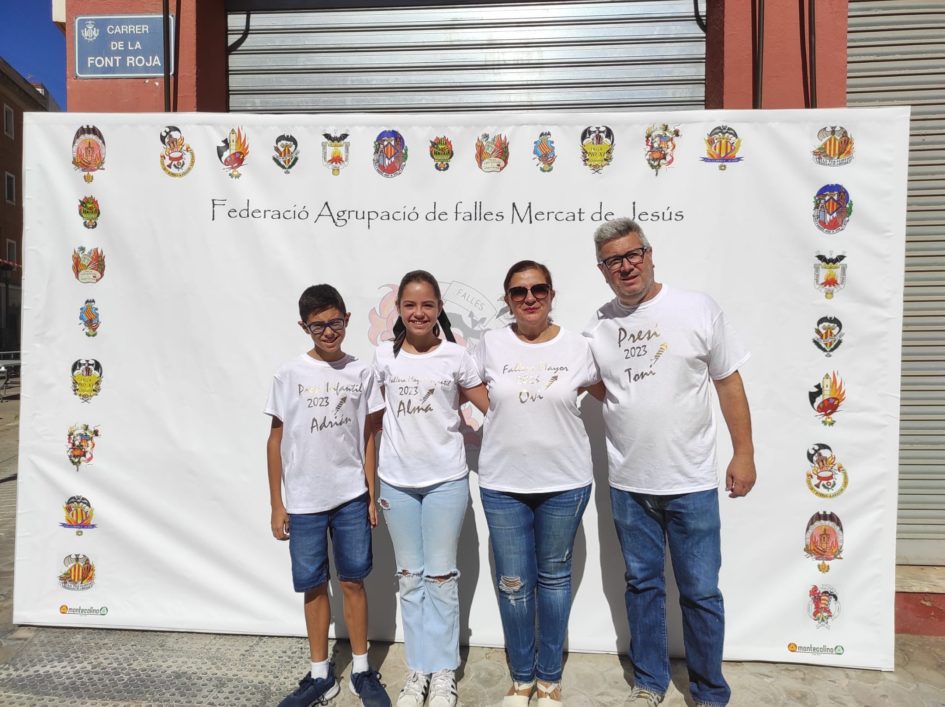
615 262
336 325
539 291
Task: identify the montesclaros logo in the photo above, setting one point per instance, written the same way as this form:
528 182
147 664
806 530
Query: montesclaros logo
815 650
65 609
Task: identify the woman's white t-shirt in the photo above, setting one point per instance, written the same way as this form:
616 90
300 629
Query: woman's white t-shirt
534 440
421 443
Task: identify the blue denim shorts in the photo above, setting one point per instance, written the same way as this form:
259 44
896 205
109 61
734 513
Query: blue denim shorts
350 533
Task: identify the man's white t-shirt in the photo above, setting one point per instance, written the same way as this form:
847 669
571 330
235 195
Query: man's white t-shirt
657 361
421 443
533 438
322 406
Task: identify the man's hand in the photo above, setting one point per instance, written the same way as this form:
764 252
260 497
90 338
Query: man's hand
740 477
280 523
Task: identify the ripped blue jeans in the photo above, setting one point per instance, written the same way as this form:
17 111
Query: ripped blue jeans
532 538
424 525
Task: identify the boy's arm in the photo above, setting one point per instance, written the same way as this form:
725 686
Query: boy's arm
371 428
279 521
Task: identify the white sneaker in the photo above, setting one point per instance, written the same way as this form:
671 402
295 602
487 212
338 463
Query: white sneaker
443 689
414 691
645 698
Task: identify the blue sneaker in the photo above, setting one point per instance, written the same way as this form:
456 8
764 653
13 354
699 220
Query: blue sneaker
369 688
313 692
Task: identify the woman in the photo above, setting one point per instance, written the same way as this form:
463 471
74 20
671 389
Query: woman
535 476
424 489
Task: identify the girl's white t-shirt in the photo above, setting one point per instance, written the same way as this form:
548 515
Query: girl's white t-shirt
534 440
421 443
322 406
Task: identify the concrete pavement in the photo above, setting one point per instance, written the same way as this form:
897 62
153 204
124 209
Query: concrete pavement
99 668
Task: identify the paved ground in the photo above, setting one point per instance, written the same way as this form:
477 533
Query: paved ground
89 667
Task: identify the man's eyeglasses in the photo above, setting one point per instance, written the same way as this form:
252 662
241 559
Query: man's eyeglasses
315 328
615 262
539 291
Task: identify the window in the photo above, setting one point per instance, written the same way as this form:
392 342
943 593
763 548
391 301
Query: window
8 120
11 250
10 188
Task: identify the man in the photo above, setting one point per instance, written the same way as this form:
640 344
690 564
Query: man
657 348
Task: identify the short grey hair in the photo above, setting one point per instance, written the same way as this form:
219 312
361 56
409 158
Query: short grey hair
618 228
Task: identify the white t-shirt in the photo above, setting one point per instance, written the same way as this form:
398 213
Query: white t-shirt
533 439
421 443
322 406
657 361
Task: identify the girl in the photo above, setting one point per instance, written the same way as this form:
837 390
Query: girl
424 486
535 476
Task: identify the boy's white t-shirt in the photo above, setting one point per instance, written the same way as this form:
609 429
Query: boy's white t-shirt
421 443
657 361
533 438
322 406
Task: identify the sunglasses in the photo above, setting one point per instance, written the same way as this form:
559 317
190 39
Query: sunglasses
539 291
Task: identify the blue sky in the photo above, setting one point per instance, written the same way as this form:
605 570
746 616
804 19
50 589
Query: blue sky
33 45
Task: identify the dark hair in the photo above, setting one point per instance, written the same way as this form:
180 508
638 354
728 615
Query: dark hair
400 331
522 266
319 297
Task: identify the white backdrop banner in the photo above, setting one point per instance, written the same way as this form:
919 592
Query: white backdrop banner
164 258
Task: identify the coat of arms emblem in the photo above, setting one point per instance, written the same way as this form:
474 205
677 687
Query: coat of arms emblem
830 273
233 152
287 152
86 378
78 514
390 153
597 147
441 151
544 152
89 318
492 152
80 442
823 605
826 398
823 539
89 211
79 574
335 152
88 151
177 157
836 146
826 477
660 146
88 266
828 334
721 146
832 208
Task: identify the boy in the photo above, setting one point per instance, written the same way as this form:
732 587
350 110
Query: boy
320 448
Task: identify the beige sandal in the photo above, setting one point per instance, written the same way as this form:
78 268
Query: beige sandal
549 694
519 694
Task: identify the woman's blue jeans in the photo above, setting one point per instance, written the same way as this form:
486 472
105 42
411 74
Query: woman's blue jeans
690 523
532 537
424 525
